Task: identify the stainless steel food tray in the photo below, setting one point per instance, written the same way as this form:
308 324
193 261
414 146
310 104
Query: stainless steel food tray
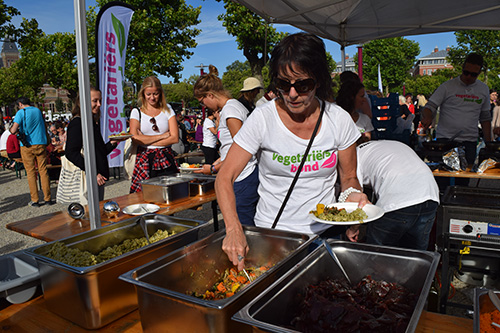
163 285
482 303
165 189
206 183
274 308
93 296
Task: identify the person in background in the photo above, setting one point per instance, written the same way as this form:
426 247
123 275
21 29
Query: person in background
409 102
495 122
30 121
366 108
232 115
249 92
13 149
463 103
493 99
187 124
209 138
279 132
409 199
198 127
268 96
74 146
154 128
351 97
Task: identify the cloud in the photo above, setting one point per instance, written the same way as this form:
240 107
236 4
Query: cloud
212 31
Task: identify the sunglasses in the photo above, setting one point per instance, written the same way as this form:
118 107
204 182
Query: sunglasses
201 101
467 73
301 86
155 127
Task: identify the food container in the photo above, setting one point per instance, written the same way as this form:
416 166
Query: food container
483 307
274 309
19 277
164 286
93 296
199 184
165 189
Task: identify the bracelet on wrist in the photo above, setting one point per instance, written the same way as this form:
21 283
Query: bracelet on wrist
212 169
345 194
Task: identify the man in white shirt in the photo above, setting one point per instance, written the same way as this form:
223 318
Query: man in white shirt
463 102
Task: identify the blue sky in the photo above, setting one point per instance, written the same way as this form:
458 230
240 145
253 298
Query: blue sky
215 46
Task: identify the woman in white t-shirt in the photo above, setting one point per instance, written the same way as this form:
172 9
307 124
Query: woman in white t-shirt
351 97
231 114
154 128
210 138
278 133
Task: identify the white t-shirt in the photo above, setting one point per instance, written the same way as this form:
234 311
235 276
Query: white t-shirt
3 139
461 107
280 152
146 127
364 123
398 177
209 138
233 109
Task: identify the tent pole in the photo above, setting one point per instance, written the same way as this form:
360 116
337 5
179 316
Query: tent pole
86 114
342 53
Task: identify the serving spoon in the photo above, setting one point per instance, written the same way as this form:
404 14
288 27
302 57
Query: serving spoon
336 259
142 223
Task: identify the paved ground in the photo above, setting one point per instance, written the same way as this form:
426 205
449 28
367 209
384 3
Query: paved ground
14 199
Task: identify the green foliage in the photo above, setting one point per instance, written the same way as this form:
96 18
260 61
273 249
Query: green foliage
234 76
59 105
396 57
179 92
160 37
6 14
254 35
483 42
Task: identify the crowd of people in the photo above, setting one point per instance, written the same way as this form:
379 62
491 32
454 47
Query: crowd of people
277 157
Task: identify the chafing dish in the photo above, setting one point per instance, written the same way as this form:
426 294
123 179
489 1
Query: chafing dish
273 309
164 286
93 296
165 189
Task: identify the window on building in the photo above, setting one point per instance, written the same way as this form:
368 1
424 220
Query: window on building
424 71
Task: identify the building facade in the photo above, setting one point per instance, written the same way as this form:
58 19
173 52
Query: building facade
430 63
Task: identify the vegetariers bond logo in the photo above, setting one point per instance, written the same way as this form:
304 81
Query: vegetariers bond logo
317 159
470 98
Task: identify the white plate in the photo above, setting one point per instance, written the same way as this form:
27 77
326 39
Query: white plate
190 169
372 211
140 209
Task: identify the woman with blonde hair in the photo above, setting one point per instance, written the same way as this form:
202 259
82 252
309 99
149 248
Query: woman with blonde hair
230 115
154 129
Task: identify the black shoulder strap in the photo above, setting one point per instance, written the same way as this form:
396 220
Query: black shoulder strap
294 181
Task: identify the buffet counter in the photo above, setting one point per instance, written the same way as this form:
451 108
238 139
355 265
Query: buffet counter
60 225
33 316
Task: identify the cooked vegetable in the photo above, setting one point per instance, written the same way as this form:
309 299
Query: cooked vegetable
231 282
80 258
338 215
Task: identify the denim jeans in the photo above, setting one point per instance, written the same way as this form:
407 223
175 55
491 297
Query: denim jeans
247 197
408 227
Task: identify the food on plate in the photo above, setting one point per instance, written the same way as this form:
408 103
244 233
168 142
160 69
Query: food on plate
119 135
231 282
190 166
338 215
370 306
81 258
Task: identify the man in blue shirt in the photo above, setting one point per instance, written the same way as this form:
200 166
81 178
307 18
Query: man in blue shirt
29 120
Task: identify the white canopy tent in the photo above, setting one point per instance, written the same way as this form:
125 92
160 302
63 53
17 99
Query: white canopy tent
351 22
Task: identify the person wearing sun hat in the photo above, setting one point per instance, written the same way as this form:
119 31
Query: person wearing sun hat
249 92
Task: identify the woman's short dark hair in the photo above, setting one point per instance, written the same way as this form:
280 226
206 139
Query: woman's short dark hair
347 95
307 52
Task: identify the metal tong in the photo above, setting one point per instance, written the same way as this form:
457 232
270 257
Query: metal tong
240 258
336 259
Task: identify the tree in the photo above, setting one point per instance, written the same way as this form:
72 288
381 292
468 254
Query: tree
234 76
253 35
483 42
6 14
396 57
160 37
59 105
426 84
